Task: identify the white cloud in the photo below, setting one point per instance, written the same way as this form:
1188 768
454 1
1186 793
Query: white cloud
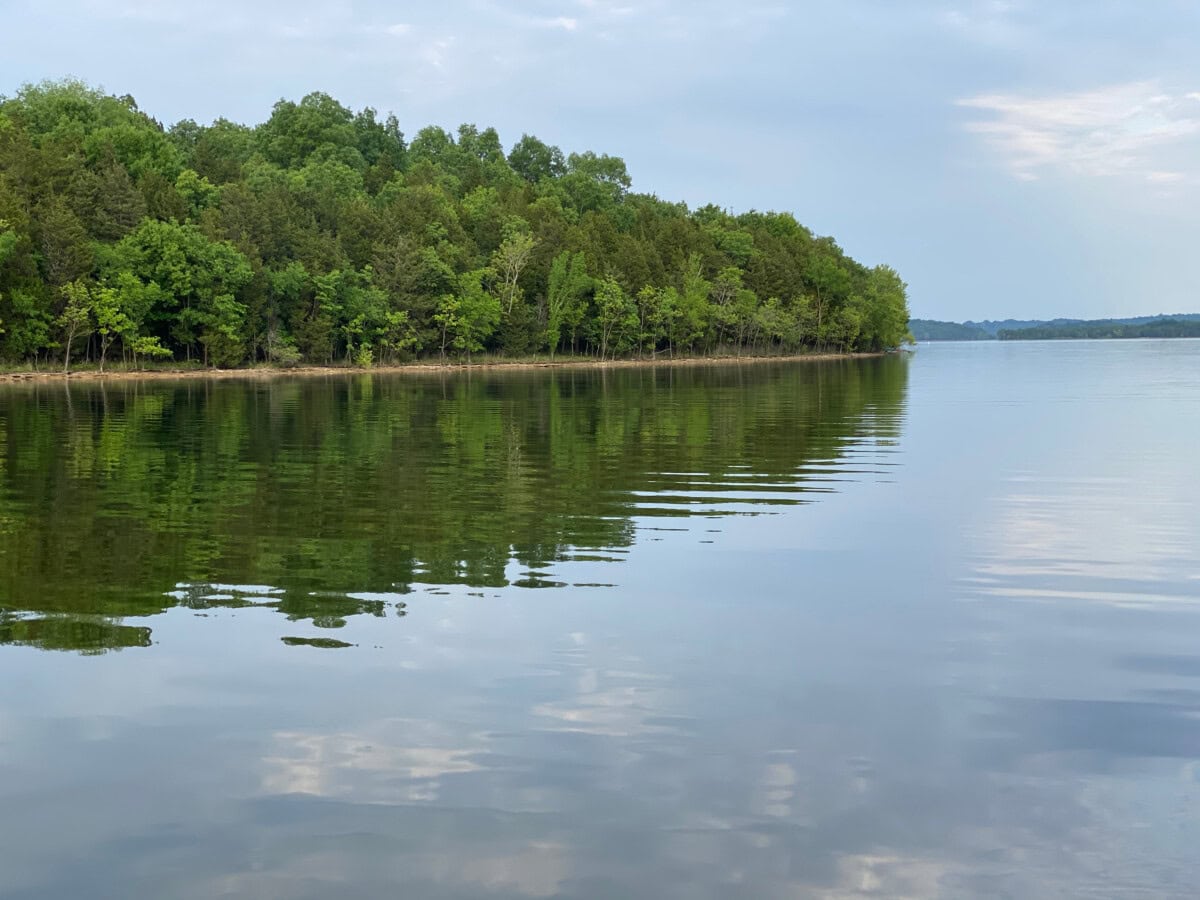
566 23
1135 129
987 21
434 53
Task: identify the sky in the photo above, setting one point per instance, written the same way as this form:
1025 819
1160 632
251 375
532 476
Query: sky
1009 158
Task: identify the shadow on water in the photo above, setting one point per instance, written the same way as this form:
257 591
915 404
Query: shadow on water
330 498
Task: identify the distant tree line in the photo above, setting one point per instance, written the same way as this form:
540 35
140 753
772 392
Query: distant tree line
1159 328
1180 325
323 235
933 330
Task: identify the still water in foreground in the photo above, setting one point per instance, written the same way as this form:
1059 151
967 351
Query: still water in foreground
902 627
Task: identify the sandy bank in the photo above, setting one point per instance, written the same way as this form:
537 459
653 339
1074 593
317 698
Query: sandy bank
418 368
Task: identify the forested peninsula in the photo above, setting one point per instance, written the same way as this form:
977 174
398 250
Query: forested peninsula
324 236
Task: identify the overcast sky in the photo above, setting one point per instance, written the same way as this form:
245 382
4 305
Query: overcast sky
1008 157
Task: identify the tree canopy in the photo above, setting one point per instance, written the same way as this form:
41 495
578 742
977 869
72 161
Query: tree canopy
323 235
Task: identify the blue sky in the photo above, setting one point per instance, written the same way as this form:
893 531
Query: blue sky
1009 158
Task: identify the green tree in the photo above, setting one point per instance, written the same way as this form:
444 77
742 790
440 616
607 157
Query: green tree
616 316
470 315
535 161
511 259
316 126
75 320
195 281
568 286
65 249
658 309
111 321
695 310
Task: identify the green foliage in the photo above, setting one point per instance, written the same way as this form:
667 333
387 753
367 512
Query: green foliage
567 292
321 235
192 283
76 319
469 316
616 317
197 191
535 161
317 125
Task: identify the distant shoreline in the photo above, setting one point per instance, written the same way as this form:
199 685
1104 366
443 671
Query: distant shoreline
267 372
1177 325
1042 339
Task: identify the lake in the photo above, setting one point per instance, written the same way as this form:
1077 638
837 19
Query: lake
904 627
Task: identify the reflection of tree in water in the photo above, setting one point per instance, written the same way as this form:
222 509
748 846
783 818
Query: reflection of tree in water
324 609
332 489
66 632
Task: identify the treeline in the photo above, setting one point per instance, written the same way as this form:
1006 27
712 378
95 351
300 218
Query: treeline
1179 325
1158 328
933 330
323 235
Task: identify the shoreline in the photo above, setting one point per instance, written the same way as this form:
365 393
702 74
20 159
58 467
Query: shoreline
265 372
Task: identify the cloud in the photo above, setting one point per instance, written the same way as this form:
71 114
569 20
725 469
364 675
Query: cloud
566 23
434 53
1134 129
989 21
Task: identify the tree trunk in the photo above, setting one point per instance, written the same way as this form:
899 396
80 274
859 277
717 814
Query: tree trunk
67 353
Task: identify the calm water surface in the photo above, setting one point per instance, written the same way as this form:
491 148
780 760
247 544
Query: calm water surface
906 627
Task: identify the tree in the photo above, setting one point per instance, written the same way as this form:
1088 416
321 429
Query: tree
658 308
380 142
286 292
110 318
511 260
197 191
448 319
396 334
535 161
318 124
885 310
616 316
194 282
568 285
106 200
691 324
8 241
478 310
831 284
66 253
606 175
76 317
469 316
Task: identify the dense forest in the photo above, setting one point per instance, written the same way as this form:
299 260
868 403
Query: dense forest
323 235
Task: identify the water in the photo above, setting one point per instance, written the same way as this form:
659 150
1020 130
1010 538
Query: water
903 627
